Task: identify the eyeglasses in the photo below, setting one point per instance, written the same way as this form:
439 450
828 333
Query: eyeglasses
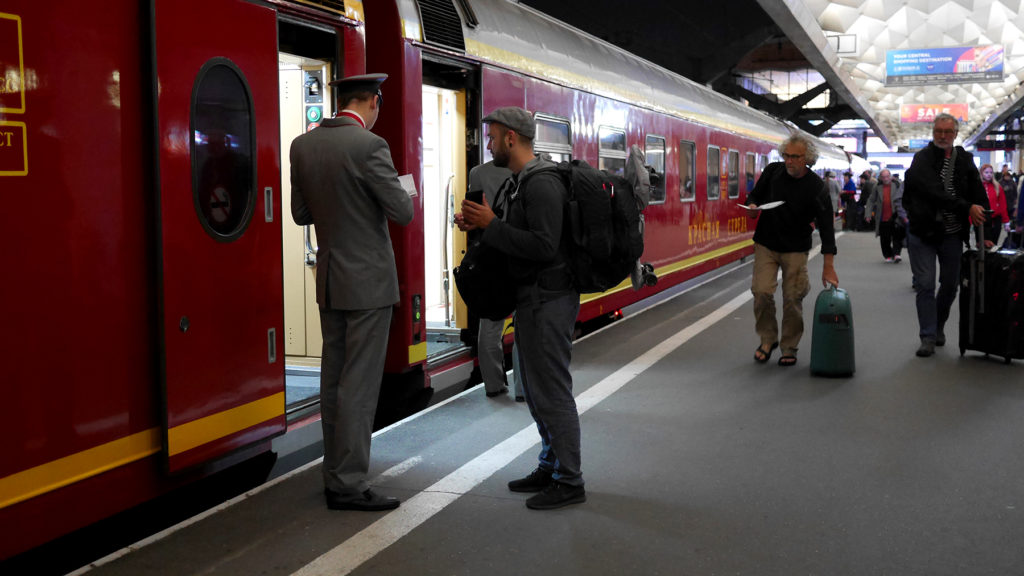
792 156
946 132
380 99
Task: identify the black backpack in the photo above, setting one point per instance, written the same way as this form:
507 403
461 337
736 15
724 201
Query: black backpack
602 226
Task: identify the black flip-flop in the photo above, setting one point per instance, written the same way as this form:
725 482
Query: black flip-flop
787 360
767 354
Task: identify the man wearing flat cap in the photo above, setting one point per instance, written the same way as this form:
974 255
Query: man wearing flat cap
530 233
345 184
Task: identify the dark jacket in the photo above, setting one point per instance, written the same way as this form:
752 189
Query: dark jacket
531 232
925 197
788 227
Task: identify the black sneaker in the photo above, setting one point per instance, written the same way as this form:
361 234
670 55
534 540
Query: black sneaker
556 495
927 348
534 482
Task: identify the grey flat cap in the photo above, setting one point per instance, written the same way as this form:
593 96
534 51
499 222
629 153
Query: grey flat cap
517 119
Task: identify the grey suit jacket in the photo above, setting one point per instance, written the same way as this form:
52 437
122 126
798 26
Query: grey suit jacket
345 184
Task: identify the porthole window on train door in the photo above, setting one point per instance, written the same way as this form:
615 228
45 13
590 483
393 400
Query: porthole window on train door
553 138
655 156
223 151
687 171
612 154
714 173
734 174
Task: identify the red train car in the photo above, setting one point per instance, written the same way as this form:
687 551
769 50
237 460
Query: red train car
142 238
159 295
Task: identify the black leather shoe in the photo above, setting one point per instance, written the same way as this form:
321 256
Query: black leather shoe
368 501
940 338
557 495
534 482
504 390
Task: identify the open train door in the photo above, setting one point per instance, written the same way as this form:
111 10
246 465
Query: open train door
217 181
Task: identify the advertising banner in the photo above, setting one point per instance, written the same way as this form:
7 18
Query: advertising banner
957 65
926 113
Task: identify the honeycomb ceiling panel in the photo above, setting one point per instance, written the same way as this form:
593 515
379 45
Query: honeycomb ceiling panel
883 25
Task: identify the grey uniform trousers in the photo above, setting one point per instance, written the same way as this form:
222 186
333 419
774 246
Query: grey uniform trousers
355 347
490 354
544 327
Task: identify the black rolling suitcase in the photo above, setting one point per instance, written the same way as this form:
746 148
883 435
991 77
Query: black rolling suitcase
992 302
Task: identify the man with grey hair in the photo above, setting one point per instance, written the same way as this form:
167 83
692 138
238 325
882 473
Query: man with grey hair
943 196
794 198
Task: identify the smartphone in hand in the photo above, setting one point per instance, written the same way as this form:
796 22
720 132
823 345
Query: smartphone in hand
475 196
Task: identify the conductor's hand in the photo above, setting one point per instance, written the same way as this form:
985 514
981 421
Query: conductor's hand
474 216
752 210
977 214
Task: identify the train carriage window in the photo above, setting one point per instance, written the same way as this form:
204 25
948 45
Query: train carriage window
687 170
553 137
714 173
612 155
223 150
762 163
734 174
655 156
751 170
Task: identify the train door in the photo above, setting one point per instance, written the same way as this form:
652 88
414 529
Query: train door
444 185
218 185
306 63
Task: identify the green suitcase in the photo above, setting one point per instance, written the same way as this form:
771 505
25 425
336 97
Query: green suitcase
832 338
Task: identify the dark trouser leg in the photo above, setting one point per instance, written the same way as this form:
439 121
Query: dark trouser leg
544 337
949 255
885 237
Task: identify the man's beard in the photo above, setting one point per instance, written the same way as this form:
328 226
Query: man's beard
501 158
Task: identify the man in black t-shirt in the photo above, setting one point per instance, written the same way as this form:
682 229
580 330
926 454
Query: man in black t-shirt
782 239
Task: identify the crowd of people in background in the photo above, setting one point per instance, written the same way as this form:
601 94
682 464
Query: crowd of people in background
859 206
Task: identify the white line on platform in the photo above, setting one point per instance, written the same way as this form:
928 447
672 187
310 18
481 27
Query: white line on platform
366 544
370 541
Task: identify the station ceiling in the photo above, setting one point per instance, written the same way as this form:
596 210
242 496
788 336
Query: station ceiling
715 42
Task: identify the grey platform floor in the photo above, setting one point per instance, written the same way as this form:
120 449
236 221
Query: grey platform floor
698 461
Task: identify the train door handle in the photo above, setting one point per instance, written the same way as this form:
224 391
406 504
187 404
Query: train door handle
184 324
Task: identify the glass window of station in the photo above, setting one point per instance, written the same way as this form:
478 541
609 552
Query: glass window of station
714 173
553 137
655 156
223 150
612 154
687 170
734 174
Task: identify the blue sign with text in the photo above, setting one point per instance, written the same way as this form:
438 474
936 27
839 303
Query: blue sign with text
944 65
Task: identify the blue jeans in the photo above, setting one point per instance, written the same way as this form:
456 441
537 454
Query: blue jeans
933 308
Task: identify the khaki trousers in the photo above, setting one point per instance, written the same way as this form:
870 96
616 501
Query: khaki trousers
795 286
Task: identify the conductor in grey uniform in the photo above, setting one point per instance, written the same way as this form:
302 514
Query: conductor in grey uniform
345 184
530 233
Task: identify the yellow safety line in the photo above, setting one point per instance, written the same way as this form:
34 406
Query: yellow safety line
209 428
417 353
70 469
672 268
87 463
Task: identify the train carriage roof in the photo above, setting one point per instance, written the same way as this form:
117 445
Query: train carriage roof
516 37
